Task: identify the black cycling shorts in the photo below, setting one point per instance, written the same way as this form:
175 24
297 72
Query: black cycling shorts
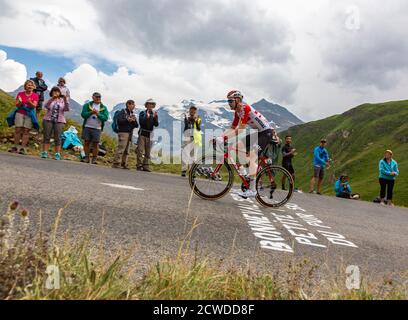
264 138
288 166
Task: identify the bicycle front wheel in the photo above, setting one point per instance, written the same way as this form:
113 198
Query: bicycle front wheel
275 187
211 180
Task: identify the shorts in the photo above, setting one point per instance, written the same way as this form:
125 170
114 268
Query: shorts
288 167
50 128
264 138
23 121
91 135
40 105
319 172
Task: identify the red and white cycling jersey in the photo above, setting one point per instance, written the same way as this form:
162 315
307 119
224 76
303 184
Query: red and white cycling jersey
249 116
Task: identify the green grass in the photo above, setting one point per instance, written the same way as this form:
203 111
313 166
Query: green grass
357 140
89 272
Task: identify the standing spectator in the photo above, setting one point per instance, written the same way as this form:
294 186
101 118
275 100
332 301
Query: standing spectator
24 117
288 153
148 121
191 138
95 114
388 173
54 122
41 87
321 161
65 93
126 123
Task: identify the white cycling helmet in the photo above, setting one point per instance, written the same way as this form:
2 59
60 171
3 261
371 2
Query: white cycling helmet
235 94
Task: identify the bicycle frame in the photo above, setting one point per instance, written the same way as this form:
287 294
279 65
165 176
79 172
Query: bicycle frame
262 163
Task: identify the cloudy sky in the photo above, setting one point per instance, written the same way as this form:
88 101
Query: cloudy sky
317 58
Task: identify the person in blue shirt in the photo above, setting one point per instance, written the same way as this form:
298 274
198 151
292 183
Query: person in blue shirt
321 161
343 188
388 174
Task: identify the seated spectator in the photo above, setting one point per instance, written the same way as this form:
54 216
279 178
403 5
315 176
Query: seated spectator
343 188
54 122
71 141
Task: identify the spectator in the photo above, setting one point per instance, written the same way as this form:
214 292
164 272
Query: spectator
288 153
40 89
54 122
126 123
388 174
343 188
24 117
148 121
65 93
321 161
191 138
95 114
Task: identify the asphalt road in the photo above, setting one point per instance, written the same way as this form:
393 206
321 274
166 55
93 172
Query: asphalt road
152 213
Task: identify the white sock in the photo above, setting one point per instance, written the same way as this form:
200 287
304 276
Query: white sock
252 184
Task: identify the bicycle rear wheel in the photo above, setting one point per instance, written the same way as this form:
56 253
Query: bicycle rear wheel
269 183
211 180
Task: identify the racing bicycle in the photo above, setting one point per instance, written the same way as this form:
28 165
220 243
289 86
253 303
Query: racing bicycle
212 178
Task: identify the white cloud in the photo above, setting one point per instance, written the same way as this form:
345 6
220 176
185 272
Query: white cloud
12 73
324 67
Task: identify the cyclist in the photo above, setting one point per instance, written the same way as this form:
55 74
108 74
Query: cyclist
245 115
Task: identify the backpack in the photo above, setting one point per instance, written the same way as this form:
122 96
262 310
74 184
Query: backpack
115 126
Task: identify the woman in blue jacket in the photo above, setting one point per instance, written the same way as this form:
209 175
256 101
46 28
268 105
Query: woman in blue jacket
388 173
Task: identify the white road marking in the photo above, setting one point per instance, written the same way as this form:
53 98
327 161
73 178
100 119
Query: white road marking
119 186
292 218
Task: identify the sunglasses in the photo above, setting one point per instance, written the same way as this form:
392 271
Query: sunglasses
231 101
97 97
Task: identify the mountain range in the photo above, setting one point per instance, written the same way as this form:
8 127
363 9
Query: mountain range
214 115
357 140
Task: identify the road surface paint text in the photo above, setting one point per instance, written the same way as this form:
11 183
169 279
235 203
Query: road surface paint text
119 186
297 224
263 229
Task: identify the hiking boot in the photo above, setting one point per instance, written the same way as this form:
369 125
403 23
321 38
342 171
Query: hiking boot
125 168
319 193
184 174
13 150
139 169
44 155
146 169
85 160
283 187
57 156
94 160
22 152
115 166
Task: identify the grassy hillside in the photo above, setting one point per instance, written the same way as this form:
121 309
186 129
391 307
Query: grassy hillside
6 105
357 140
